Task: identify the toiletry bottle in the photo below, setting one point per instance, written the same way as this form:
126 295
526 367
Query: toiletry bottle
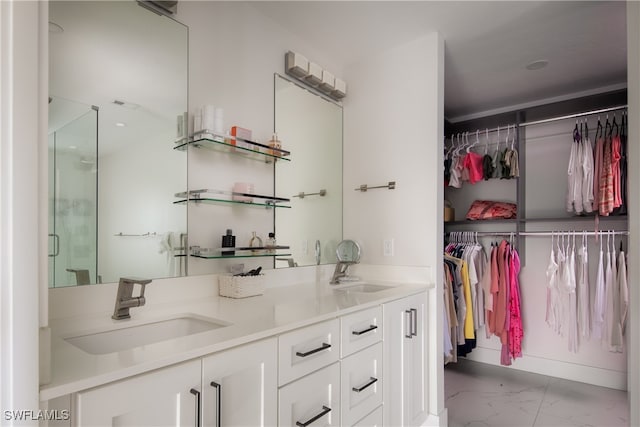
275 143
270 243
228 241
255 242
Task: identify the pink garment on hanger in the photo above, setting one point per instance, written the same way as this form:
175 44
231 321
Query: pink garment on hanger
597 172
615 169
605 205
473 163
516 331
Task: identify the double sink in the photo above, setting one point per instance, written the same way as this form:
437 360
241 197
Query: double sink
125 338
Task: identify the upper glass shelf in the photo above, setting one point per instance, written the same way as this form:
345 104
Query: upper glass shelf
220 196
233 144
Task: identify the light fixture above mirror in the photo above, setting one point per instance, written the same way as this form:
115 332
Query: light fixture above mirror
310 73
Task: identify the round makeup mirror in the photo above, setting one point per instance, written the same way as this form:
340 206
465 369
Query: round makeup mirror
348 251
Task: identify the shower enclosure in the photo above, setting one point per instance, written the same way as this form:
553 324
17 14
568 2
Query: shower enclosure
73 193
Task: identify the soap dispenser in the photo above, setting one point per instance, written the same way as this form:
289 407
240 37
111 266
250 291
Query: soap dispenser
228 241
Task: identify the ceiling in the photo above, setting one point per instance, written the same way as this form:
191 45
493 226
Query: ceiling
487 44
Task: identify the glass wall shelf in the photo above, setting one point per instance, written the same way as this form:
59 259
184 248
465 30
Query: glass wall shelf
233 144
200 196
244 252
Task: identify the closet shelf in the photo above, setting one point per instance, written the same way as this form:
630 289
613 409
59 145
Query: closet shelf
575 218
232 144
481 221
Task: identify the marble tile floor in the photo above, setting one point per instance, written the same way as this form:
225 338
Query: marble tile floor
481 395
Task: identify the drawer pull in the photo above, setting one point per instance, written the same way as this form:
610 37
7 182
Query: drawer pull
324 412
414 322
196 393
315 350
369 329
371 382
218 388
408 323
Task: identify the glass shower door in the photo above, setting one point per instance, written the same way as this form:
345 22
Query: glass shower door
73 193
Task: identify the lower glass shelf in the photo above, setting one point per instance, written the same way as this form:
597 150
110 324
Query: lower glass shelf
246 255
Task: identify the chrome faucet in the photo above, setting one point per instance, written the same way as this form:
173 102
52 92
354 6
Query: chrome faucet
348 253
125 299
341 271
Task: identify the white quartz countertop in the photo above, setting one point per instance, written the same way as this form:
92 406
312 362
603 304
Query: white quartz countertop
279 310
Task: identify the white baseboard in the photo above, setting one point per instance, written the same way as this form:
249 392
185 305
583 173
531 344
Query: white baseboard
440 420
555 368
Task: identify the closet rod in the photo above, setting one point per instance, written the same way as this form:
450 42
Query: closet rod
484 131
538 233
573 116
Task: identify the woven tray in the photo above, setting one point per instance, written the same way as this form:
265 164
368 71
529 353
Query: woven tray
240 286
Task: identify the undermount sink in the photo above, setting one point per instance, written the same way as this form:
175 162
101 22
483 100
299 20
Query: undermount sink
113 340
363 287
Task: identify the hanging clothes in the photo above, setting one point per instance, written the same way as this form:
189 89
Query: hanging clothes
553 309
600 299
587 174
583 289
624 289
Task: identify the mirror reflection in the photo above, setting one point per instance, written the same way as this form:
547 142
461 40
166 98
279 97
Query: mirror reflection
117 82
311 127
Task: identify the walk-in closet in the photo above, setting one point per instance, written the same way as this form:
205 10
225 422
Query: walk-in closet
539 195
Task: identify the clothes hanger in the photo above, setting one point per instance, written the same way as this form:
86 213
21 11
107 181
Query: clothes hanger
576 133
486 142
614 125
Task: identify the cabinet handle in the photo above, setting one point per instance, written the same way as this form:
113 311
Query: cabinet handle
315 350
324 412
196 393
218 388
407 324
369 329
371 382
414 322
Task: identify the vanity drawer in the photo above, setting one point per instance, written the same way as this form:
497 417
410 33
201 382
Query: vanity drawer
360 330
313 400
374 419
308 349
361 384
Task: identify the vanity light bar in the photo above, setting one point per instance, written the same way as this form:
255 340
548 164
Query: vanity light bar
298 66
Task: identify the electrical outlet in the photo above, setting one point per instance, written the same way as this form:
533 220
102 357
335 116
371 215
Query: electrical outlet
387 247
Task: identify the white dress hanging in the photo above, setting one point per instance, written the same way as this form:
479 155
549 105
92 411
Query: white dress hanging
599 300
584 297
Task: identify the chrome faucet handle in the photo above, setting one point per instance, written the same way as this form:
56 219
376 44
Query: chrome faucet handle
125 299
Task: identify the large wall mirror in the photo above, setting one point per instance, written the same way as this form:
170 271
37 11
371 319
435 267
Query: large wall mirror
310 126
117 83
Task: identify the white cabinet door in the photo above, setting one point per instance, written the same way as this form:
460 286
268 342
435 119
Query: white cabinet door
167 397
311 401
240 386
405 370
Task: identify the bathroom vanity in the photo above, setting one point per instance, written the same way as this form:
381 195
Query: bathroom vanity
350 354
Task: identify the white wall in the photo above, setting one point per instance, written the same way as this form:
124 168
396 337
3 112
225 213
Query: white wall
394 119
20 250
238 77
633 75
